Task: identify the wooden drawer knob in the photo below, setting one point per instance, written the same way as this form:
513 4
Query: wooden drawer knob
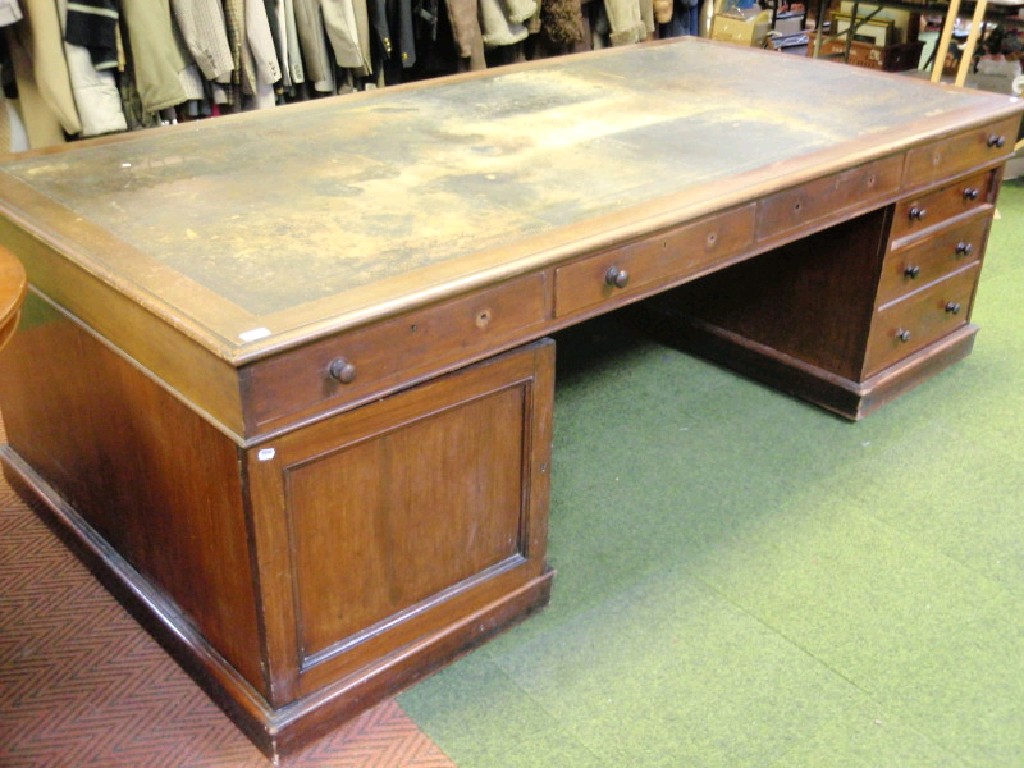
997 141
917 214
912 271
964 249
971 193
617 278
342 370
953 307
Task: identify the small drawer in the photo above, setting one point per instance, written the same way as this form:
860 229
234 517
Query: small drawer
900 329
946 250
829 199
917 214
642 266
357 364
947 157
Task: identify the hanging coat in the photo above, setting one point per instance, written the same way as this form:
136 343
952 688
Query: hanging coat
205 33
91 70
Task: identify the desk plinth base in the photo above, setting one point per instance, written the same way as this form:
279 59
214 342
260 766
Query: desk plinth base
850 399
274 731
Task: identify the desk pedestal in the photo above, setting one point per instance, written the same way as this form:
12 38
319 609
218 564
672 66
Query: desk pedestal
302 579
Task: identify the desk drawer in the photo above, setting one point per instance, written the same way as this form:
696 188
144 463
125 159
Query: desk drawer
950 248
391 353
830 199
947 157
641 266
917 214
903 328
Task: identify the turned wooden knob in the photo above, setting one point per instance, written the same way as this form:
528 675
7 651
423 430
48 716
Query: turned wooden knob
618 278
964 249
342 370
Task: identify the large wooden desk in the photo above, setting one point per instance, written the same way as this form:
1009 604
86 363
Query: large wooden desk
282 378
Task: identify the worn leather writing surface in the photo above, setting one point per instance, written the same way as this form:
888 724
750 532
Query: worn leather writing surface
370 200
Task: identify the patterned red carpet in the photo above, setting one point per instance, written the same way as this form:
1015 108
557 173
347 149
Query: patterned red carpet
82 684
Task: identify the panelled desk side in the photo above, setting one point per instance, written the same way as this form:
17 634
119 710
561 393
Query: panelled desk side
316 487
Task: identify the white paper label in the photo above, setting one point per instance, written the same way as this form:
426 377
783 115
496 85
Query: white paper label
255 334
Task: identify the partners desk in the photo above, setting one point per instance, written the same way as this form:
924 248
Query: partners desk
283 379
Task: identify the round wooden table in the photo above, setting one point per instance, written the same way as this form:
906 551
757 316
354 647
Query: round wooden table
13 285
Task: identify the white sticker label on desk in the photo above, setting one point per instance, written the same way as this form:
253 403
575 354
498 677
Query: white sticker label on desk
255 334
266 454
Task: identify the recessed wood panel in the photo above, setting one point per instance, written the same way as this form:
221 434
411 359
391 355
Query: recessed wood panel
382 528
385 523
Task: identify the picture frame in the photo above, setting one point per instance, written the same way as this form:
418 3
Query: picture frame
874 31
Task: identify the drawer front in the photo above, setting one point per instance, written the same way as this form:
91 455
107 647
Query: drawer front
639 267
903 328
948 249
391 353
828 199
917 214
947 157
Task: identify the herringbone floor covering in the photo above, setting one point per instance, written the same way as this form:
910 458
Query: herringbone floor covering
82 684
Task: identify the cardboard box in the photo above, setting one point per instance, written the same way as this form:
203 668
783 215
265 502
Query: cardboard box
740 28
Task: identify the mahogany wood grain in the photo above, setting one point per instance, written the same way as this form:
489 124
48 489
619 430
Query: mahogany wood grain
939 253
950 156
653 262
412 346
828 198
191 370
919 213
379 525
180 521
906 326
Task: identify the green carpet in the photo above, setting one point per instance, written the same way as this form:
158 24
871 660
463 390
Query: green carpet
745 580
